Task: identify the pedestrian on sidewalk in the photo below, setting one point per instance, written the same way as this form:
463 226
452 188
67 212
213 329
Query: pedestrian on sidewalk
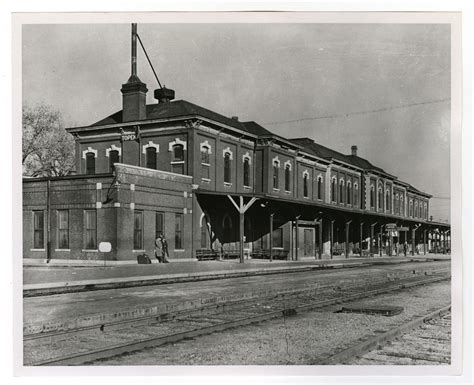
164 250
159 249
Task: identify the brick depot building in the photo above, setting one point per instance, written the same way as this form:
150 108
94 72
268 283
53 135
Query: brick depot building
205 180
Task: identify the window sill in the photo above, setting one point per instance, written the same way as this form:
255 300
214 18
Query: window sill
276 189
287 192
138 251
90 251
177 162
62 249
179 250
227 184
207 180
305 197
206 164
37 249
247 187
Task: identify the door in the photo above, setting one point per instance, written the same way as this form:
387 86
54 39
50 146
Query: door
308 237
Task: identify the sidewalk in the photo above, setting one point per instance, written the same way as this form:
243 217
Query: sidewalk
56 278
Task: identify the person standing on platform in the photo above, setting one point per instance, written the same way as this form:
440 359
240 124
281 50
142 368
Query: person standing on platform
165 254
158 249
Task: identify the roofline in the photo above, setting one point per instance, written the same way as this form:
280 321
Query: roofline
151 121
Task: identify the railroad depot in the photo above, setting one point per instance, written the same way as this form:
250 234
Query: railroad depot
217 186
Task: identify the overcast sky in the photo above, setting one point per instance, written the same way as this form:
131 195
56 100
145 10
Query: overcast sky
382 87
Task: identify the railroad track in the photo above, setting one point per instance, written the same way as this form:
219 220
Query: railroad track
425 340
105 341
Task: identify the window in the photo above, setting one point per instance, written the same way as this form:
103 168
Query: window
397 204
38 229
356 194
90 163
372 196
320 188
411 208
416 209
205 162
277 237
178 234
113 158
90 233
402 207
227 167
341 191
349 193
151 157
333 190
205 155
246 172
178 153
426 211
275 174
138 230
159 224
177 165
387 200
63 229
305 185
287 177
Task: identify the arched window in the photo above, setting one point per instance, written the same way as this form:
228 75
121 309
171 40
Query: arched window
320 188
246 172
305 185
90 163
275 174
341 191
227 167
204 233
205 154
151 158
113 158
356 194
178 153
227 229
349 193
387 200
372 196
380 198
287 177
333 190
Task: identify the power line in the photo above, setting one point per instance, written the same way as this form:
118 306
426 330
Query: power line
363 112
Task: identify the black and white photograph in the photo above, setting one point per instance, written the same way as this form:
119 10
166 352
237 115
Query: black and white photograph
239 190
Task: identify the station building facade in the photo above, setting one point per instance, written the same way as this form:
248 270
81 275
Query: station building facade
208 182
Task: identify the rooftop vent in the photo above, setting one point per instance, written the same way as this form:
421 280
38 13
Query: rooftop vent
236 118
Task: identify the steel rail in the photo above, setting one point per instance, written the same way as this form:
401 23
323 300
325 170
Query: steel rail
232 301
372 343
117 349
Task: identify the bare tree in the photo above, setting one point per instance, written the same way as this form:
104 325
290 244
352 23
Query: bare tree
48 150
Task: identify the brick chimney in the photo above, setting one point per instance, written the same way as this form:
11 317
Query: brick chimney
134 91
354 150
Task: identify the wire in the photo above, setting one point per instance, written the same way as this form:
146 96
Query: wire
149 61
362 112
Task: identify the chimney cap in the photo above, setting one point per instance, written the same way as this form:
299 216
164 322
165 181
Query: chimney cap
354 150
164 95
